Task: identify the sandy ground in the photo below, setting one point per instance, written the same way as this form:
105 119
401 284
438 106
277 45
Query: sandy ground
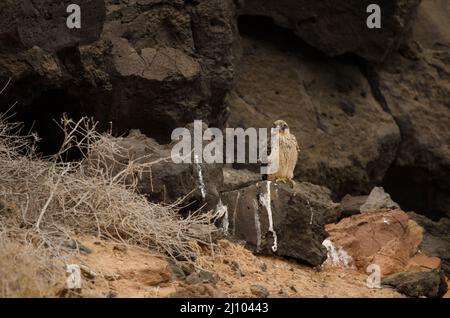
239 269
131 272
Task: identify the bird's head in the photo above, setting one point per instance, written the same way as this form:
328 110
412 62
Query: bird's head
282 126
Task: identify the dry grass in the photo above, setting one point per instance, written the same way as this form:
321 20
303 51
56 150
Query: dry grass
27 272
48 202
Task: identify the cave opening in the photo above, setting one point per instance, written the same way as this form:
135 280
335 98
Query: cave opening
43 117
414 190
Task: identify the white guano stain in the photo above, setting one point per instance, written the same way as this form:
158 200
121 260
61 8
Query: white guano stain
265 200
257 225
337 257
202 186
312 212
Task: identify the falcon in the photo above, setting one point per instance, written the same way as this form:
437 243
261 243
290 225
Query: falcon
288 154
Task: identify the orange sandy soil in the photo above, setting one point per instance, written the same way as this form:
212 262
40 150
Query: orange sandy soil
122 271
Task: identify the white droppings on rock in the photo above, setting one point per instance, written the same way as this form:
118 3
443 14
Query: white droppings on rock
200 177
337 257
312 212
266 201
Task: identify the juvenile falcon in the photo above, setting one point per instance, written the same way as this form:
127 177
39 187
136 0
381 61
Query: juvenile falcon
288 154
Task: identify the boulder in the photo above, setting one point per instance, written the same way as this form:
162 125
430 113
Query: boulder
422 262
275 219
430 284
387 238
336 29
259 291
351 205
377 200
436 240
331 211
234 179
167 181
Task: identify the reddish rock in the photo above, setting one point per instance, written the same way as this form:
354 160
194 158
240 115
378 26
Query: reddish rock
387 238
422 262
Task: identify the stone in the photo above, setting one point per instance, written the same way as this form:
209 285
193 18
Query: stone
430 284
377 200
166 181
234 179
436 240
202 277
421 261
351 205
387 238
88 272
275 219
259 291
111 277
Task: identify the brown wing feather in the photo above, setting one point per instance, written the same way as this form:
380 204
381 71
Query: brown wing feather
288 157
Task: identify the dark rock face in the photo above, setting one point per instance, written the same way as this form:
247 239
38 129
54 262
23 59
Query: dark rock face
414 84
336 29
42 23
431 284
237 179
169 64
436 240
359 124
275 219
157 65
418 98
344 150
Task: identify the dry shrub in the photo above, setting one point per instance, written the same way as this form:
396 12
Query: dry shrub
27 272
57 200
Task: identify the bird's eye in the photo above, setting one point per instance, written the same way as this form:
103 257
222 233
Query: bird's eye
285 126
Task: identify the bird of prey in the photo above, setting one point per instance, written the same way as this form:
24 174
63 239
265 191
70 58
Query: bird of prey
287 154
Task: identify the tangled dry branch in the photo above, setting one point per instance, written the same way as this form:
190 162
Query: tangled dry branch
56 200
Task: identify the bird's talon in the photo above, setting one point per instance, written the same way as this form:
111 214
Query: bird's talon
293 183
